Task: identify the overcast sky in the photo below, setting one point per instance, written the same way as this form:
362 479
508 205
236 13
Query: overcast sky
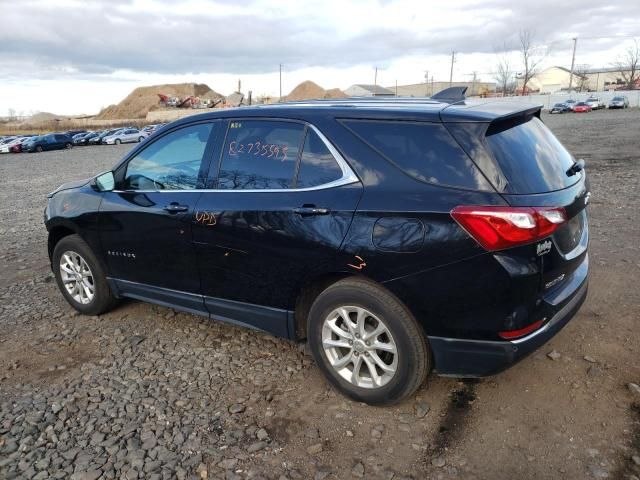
71 56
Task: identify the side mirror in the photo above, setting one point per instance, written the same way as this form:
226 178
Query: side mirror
105 182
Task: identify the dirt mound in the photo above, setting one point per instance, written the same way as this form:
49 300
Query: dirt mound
309 90
42 117
335 93
144 99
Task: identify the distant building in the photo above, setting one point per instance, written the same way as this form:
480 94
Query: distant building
431 88
552 80
361 90
605 79
556 79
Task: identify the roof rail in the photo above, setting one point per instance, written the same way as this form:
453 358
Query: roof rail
451 95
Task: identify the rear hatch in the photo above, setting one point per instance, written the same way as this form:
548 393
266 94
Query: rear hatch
529 167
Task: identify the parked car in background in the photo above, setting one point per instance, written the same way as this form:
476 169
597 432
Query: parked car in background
582 107
469 269
619 101
595 103
560 108
570 103
52 141
17 146
71 133
81 138
6 140
6 146
126 135
97 140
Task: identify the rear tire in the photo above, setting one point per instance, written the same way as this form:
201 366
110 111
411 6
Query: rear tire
80 277
67 146
389 366
140 139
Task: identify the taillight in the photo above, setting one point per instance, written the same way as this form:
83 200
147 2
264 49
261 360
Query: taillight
497 228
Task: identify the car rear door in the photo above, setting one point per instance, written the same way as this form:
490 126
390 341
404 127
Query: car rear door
145 224
279 204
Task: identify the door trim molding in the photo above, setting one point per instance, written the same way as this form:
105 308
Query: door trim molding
276 321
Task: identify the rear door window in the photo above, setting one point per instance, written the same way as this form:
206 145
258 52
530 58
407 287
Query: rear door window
260 154
317 165
530 157
424 151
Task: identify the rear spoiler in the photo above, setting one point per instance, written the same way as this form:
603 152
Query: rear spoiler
495 111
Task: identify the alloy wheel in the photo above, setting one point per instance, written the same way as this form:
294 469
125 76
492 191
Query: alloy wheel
359 347
77 277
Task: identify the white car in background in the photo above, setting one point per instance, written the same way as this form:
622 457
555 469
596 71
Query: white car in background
595 103
126 135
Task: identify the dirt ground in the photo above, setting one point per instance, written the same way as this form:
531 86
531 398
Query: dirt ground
144 392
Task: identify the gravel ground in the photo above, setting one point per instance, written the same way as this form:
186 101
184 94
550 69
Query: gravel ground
145 392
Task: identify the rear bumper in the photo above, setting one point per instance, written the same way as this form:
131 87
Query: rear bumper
479 358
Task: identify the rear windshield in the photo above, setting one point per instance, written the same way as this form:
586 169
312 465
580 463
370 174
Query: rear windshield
531 158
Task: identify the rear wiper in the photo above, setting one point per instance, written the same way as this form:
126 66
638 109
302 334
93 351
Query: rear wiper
577 166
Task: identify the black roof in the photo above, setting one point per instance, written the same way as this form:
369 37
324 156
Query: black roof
401 108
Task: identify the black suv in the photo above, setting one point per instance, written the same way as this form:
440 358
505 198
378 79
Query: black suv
396 236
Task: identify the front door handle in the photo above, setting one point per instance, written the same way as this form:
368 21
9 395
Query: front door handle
174 207
307 210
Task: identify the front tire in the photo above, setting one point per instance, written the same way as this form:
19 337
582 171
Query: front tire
367 343
80 277
67 146
117 141
39 149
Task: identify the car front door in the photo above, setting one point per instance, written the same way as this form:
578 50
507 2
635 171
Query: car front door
279 204
145 223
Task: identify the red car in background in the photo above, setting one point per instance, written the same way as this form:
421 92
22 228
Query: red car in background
582 107
17 146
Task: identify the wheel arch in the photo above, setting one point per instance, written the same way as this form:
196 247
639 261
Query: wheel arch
56 234
309 291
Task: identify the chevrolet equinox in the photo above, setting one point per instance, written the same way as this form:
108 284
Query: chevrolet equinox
397 236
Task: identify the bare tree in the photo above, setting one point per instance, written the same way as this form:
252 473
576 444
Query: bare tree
582 81
629 65
531 58
504 74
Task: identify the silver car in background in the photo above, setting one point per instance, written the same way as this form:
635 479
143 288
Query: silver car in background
619 101
595 103
126 135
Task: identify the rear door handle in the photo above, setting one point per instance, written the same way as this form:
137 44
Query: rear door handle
174 207
307 210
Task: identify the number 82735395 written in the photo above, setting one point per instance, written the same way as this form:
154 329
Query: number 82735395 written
258 149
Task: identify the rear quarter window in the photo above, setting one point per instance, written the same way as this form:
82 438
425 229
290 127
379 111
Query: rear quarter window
530 157
424 151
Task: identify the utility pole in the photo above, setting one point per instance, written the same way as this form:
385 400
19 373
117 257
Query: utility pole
573 60
280 99
426 82
375 81
453 59
396 87
473 84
